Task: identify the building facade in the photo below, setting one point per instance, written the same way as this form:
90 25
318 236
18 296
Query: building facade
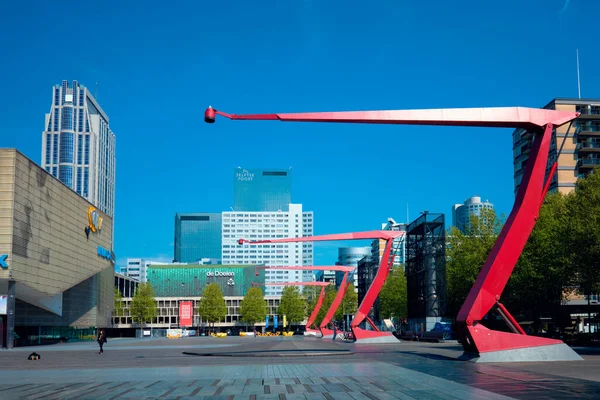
136 268
261 189
78 146
57 267
197 237
254 225
176 283
581 150
399 244
461 213
349 257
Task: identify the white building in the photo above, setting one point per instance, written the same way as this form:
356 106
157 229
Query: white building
269 225
461 213
78 146
137 269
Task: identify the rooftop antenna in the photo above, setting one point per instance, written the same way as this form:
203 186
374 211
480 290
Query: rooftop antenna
96 94
578 78
407 217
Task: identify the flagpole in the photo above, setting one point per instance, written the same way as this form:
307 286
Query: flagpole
578 78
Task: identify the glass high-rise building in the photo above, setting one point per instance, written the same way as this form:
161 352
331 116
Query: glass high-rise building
78 146
197 237
261 189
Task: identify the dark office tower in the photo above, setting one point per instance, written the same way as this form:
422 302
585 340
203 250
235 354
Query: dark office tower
198 238
262 189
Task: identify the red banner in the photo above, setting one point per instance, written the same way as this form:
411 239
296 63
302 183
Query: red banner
186 313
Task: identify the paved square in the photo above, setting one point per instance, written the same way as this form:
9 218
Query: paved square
278 368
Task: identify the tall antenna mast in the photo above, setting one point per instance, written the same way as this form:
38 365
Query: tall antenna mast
407 217
578 78
96 94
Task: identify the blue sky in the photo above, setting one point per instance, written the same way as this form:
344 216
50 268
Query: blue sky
158 67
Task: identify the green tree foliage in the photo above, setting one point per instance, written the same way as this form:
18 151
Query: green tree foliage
393 299
292 304
212 307
583 236
143 304
466 255
349 303
311 294
330 293
253 308
542 272
118 304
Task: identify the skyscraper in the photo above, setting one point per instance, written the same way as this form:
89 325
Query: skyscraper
197 237
253 225
261 189
78 146
461 213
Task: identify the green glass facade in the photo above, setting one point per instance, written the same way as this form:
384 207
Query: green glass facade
261 190
189 280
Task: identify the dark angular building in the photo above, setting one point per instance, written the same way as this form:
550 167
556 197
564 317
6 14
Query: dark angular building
426 271
197 236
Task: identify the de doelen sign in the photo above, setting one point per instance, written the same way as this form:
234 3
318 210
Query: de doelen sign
217 273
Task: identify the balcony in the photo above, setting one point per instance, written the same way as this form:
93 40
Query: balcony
589 146
588 128
593 111
588 163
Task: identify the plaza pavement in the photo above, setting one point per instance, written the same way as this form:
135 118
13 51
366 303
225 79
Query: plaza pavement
282 368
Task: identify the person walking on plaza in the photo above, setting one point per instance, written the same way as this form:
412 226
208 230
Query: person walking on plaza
101 340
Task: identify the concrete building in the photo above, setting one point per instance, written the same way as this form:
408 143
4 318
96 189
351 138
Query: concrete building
57 267
177 283
581 150
78 146
136 268
254 225
461 213
349 257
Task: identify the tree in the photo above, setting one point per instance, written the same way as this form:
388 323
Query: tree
583 237
393 301
143 304
253 308
292 304
349 303
118 304
212 307
466 254
537 284
330 293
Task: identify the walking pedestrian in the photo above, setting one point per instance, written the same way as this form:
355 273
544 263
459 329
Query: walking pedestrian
101 340
334 331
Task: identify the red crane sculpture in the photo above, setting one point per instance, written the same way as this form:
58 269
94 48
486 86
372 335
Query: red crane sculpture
477 340
336 301
364 307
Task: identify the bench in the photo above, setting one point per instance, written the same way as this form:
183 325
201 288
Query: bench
432 336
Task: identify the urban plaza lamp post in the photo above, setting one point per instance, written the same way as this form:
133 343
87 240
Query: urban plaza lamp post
479 342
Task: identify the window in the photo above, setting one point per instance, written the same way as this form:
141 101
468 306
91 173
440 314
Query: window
48 148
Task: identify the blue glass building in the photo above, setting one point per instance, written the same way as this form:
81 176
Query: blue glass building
78 146
261 189
197 236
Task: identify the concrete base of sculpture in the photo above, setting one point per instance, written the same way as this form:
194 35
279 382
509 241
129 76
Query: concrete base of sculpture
555 352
